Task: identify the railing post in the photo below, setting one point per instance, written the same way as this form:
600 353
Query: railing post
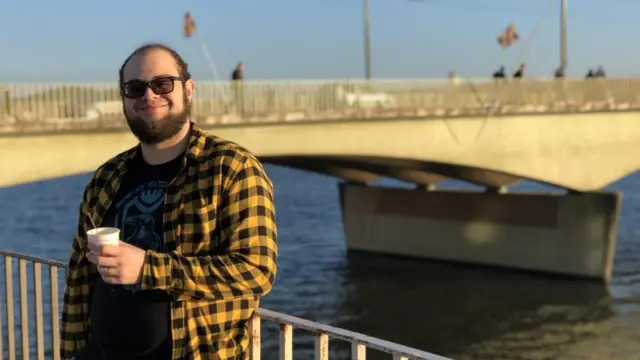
1 333
322 347
286 342
24 309
358 351
254 328
37 287
8 286
55 326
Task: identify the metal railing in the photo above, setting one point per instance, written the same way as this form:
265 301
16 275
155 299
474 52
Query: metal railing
90 105
49 345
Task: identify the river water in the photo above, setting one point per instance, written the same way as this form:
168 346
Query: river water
453 310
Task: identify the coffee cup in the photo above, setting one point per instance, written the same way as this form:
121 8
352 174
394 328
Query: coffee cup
104 236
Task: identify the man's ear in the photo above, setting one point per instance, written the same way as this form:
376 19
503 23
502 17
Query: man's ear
189 87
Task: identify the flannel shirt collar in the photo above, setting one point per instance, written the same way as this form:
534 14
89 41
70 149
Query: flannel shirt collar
195 150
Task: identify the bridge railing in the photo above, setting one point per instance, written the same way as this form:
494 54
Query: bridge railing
34 294
98 104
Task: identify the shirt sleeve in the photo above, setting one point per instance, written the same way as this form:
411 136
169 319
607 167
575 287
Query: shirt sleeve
74 321
248 224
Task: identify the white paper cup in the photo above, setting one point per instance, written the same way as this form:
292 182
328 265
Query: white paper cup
104 236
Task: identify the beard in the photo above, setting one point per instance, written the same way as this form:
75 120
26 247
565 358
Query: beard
157 131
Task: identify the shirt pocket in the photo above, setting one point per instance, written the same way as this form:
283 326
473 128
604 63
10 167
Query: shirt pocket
200 228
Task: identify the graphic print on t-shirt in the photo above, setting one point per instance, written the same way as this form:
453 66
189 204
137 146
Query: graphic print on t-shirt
139 216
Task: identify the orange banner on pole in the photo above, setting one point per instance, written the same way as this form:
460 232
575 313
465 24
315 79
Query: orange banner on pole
189 25
508 37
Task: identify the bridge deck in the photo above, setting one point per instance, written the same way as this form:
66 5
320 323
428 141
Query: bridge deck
574 134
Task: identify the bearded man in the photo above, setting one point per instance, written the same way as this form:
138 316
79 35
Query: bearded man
198 237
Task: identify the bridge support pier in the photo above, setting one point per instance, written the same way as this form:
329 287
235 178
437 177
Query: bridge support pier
567 234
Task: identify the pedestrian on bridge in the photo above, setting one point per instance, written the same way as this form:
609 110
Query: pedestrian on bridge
197 228
237 79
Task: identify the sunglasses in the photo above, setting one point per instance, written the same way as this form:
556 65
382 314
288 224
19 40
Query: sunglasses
160 86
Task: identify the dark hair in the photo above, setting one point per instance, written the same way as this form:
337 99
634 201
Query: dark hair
183 68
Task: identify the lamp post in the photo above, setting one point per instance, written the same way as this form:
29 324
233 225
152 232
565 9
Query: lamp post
367 39
563 36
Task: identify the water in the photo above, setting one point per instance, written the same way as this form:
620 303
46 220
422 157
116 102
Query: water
454 310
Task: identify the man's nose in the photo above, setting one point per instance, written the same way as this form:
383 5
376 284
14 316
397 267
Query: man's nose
149 94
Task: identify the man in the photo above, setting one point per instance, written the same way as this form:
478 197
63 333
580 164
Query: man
238 72
198 234
237 77
519 74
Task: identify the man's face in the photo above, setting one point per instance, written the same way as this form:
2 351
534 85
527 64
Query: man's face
157 112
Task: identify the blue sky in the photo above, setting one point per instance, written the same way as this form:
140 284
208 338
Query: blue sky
75 40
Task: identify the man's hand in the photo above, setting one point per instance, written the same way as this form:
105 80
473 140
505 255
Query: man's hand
121 265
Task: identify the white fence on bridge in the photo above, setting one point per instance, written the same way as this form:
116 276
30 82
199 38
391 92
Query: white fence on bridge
71 105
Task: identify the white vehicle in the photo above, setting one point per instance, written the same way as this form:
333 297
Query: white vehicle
365 99
104 108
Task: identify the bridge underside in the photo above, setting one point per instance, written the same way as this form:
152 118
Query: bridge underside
570 234
368 170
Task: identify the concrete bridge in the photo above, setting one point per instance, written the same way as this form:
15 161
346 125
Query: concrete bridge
576 135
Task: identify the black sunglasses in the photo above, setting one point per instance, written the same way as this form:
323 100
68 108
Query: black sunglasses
160 86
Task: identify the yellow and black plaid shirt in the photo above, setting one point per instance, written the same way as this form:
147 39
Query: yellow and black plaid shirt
221 244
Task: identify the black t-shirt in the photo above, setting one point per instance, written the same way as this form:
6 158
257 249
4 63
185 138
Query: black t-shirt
125 319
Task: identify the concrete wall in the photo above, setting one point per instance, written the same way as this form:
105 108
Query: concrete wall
39 157
564 234
584 152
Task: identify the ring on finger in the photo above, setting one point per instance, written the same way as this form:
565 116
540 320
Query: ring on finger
104 270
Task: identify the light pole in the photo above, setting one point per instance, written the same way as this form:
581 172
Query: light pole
563 36
367 39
